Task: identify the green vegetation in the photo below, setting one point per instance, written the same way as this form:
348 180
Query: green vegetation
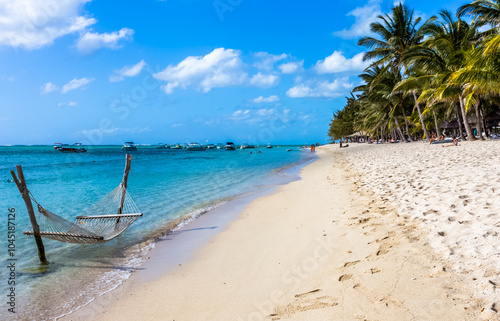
425 72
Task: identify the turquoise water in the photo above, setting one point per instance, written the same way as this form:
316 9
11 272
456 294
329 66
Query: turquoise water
168 186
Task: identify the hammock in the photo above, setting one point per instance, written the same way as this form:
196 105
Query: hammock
100 223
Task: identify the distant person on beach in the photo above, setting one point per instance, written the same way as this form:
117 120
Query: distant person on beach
433 138
313 148
340 142
455 142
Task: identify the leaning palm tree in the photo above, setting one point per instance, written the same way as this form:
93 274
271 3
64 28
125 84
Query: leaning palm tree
437 59
481 76
397 33
380 107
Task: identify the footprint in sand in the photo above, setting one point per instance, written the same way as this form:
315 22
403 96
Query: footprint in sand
374 270
306 293
347 264
303 302
345 277
382 250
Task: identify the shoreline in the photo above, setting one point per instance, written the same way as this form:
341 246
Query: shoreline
300 253
93 270
217 216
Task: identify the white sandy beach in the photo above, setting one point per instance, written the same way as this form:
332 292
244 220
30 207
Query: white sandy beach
371 232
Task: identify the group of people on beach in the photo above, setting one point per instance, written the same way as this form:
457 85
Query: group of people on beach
313 147
434 138
443 137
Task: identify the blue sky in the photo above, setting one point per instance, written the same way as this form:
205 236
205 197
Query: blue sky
104 72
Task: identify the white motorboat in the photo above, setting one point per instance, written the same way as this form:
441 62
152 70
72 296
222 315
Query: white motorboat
229 146
129 146
194 147
246 146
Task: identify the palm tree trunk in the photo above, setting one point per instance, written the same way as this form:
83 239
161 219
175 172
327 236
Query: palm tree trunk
436 123
459 121
398 130
406 123
470 134
483 122
426 133
478 122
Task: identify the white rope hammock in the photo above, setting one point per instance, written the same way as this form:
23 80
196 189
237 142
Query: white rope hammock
102 222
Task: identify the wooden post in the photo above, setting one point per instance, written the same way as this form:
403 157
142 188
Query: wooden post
23 189
128 159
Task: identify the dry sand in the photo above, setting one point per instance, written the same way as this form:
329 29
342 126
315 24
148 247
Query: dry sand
367 234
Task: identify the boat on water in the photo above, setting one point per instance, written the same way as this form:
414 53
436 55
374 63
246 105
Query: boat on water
229 146
220 146
246 146
129 146
176 146
210 146
163 146
269 146
194 147
65 148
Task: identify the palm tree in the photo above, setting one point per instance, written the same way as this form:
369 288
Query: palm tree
381 106
398 33
486 12
436 60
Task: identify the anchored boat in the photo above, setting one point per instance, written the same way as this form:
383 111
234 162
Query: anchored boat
229 146
194 147
129 146
246 146
65 148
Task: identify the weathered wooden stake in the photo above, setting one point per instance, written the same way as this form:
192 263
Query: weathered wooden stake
128 159
23 189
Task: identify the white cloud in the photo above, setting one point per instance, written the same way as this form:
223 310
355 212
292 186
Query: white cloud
291 67
4 118
265 112
321 89
256 116
169 88
114 131
32 24
75 84
364 16
127 71
67 103
264 81
262 99
266 60
48 88
336 62
177 125
240 113
92 41
220 68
